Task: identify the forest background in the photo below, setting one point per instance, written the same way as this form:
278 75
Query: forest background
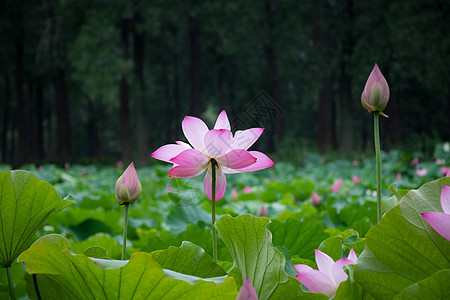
108 80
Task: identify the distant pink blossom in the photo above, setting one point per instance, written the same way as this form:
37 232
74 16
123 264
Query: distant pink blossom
440 221
340 181
315 199
398 176
67 166
415 161
355 163
169 189
247 189
445 170
234 194
228 153
336 187
119 164
421 172
41 167
326 280
440 162
247 291
262 211
356 179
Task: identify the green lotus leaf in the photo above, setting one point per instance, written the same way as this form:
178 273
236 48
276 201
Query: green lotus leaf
26 203
403 251
63 275
250 244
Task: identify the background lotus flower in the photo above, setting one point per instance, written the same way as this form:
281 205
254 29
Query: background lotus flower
421 172
376 92
315 199
229 153
356 179
262 211
247 190
247 292
398 176
415 161
445 170
128 186
438 220
326 280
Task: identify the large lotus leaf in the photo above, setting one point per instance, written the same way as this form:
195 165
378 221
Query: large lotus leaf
433 287
300 237
63 275
403 250
25 203
250 244
188 259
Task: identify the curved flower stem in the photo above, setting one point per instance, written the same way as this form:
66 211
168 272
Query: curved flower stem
213 211
11 285
36 287
125 228
376 128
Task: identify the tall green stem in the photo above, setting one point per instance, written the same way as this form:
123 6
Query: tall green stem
11 285
36 287
213 211
125 228
376 128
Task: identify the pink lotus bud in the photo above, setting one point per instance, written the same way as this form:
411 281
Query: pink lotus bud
415 161
119 164
247 291
234 194
355 179
376 92
169 189
398 176
262 211
128 186
247 190
67 166
355 163
315 199
339 181
335 187
421 172
445 170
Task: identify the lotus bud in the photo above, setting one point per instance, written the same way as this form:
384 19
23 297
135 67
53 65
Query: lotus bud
376 92
128 186
262 211
315 199
247 292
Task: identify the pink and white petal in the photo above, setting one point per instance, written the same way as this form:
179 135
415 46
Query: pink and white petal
317 282
221 183
243 139
262 162
167 152
302 268
185 172
445 199
439 221
337 274
191 158
183 144
324 262
195 129
222 121
217 142
352 256
237 159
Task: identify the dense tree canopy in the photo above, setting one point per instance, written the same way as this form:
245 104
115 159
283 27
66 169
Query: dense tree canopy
115 78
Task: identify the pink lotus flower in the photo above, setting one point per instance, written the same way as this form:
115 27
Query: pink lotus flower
234 194
421 172
119 164
315 199
355 163
247 190
262 211
326 280
376 92
336 187
445 170
398 176
128 186
355 179
247 292
229 153
440 221
415 161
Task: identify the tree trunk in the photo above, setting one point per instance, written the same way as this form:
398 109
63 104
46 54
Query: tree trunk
125 97
140 109
5 119
39 119
63 131
167 99
326 119
195 59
